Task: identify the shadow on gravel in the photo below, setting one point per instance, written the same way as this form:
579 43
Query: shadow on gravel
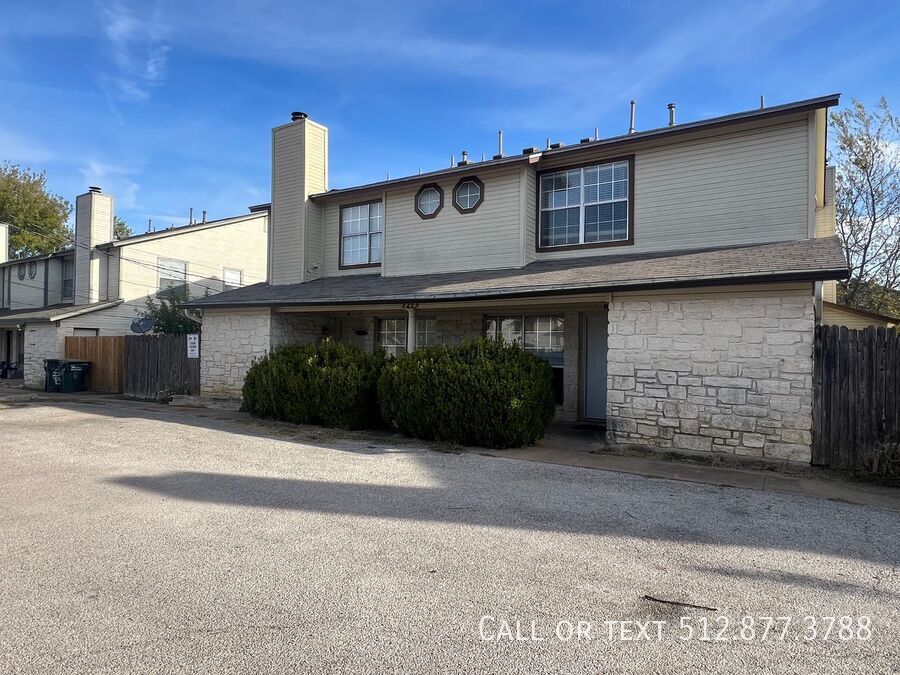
794 579
536 499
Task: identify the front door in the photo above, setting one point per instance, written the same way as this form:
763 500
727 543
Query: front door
594 355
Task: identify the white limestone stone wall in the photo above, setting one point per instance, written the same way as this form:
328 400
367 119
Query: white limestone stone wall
230 342
42 341
713 372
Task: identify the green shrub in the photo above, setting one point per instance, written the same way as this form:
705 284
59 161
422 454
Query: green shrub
329 383
480 393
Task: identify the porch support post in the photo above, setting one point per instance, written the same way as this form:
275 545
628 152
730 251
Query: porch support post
410 328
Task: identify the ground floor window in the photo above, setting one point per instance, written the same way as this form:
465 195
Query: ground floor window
392 334
544 335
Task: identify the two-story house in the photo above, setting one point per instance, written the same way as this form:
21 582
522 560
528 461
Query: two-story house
672 277
98 284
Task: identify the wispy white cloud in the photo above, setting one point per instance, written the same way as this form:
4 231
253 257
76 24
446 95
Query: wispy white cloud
137 47
114 179
17 147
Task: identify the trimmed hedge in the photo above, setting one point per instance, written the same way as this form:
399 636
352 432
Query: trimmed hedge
330 383
483 393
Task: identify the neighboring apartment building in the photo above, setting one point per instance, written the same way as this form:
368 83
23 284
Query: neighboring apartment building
99 284
671 277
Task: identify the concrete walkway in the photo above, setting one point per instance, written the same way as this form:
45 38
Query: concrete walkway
772 481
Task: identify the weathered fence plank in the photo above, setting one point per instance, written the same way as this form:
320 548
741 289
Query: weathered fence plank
106 356
157 365
856 405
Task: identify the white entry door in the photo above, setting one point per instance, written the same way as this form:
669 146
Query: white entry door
594 355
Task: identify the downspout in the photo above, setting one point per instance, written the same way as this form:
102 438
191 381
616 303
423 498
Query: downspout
46 279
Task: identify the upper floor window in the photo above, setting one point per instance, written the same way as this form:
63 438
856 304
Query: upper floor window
589 205
362 234
172 275
32 269
232 278
468 194
429 200
20 271
68 279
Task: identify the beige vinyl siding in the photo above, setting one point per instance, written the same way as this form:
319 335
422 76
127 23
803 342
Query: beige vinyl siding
288 151
316 181
530 213
489 238
112 262
299 168
54 281
825 224
832 316
93 226
331 229
239 245
26 293
735 188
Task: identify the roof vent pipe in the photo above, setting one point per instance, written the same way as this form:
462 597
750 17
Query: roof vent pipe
596 133
191 216
762 101
631 118
297 116
452 160
499 154
671 108
204 215
548 142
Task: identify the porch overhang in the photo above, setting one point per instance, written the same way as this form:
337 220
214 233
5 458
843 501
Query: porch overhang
792 261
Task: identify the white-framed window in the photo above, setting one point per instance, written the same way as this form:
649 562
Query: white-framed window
392 334
232 278
68 279
172 275
587 205
543 334
468 194
362 234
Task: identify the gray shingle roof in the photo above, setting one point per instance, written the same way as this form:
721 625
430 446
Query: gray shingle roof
808 259
14 317
614 141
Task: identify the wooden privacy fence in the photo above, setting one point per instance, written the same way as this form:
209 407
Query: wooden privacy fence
159 363
105 355
855 399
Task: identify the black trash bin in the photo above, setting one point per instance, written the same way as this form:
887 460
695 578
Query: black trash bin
53 376
66 375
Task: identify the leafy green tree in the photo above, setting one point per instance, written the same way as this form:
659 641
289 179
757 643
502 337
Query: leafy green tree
121 229
867 203
167 311
38 217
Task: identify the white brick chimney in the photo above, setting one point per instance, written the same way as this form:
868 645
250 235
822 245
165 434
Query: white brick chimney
299 169
94 213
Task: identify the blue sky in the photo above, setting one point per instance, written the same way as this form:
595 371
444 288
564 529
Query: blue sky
169 104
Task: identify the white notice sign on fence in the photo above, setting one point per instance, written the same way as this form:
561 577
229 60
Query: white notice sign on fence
193 345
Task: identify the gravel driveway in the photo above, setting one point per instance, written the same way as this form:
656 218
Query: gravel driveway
138 539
